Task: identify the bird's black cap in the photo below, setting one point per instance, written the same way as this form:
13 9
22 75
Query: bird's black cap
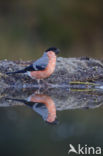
54 49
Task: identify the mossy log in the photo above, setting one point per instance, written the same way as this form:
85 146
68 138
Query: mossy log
67 69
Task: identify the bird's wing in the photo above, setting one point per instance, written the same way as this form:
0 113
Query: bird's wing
41 109
41 63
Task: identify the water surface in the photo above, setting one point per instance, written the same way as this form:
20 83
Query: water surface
24 132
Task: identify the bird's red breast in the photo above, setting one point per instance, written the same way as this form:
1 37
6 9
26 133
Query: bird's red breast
49 103
48 70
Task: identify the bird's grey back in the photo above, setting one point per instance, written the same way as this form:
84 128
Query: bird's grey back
41 62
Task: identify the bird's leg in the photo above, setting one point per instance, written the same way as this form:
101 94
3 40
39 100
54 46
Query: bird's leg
39 86
44 81
38 91
46 84
38 81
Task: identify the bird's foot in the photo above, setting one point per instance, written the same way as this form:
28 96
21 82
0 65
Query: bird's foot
38 91
45 86
45 83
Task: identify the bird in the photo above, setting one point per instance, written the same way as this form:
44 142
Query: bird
41 104
43 67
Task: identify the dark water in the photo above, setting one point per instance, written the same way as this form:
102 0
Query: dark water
24 132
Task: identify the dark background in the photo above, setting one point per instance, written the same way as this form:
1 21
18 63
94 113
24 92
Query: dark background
28 27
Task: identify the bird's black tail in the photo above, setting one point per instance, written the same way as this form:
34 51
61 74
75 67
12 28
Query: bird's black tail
29 68
15 72
18 100
28 103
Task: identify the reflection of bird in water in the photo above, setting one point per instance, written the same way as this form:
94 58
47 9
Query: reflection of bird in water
43 67
43 105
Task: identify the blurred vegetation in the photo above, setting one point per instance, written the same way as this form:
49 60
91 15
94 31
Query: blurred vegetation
28 27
